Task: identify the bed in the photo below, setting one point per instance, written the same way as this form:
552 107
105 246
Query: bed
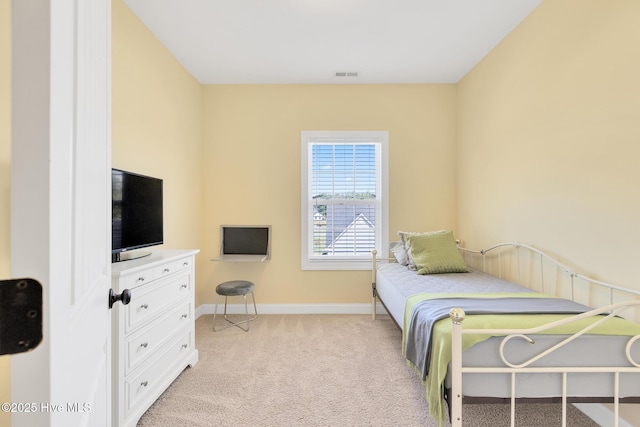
487 356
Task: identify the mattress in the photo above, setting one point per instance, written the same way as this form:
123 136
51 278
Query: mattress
395 282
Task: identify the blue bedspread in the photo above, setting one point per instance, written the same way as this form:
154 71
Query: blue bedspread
426 313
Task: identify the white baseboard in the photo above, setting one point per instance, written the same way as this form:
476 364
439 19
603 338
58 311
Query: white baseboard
601 414
292 309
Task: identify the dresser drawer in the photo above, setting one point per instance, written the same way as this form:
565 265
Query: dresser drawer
141 344
139 386
146 303
140 278
172 267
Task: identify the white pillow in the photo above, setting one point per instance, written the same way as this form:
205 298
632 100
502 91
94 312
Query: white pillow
399 252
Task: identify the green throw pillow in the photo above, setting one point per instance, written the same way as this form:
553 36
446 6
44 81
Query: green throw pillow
436 253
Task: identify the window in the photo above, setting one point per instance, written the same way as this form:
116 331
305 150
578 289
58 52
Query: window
344 198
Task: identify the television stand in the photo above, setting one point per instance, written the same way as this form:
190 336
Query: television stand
126 256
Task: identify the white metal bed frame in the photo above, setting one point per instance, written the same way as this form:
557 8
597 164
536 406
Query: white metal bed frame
607 311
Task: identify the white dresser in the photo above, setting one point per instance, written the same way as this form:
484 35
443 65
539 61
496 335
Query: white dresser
153 337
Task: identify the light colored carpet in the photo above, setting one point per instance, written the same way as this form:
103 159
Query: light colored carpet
314 370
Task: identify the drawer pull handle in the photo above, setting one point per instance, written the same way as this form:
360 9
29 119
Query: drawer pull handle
185 345
185 264
145 306
144 344
184 286
141 279
166 270
184 316
144 383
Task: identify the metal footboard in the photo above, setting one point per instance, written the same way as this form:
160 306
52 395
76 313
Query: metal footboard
458 370
539 271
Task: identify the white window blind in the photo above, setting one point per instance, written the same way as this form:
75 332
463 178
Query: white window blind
344 212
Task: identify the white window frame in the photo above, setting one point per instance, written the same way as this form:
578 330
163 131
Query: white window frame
359 262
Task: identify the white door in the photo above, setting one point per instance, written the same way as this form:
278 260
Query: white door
60 205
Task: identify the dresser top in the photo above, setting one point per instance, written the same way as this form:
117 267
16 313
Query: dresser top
157 257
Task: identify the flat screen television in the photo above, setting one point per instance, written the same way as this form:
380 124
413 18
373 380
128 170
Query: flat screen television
136 216
245 242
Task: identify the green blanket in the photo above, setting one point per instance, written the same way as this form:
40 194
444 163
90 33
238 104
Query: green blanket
441 344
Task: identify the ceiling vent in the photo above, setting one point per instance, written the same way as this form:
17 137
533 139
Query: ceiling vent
346 74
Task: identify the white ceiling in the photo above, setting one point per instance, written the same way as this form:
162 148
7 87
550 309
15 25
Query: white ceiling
308 41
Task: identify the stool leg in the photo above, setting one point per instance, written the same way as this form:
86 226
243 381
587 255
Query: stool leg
246 310
225 309
215 312
255 310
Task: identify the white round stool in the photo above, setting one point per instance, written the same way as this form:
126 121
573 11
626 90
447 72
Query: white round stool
235 288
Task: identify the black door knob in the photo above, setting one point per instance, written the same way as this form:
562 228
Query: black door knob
124 297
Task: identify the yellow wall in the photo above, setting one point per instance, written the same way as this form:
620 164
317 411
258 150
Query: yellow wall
549 138
157 124
252 174
5 175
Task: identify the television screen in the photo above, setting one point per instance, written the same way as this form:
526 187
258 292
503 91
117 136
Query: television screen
239 240
136 212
